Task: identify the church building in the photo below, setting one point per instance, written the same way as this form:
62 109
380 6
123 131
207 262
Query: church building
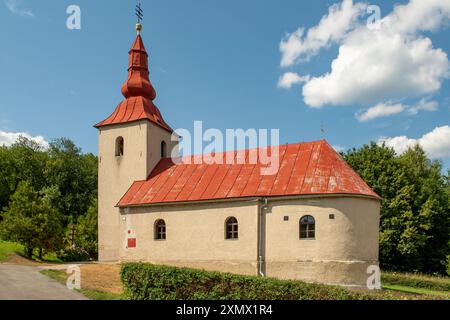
315 219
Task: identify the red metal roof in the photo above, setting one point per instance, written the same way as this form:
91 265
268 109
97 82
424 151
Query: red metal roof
133 109
312 168
138 92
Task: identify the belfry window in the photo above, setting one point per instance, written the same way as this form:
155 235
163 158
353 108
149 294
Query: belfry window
160 230
231 228
163 149
119 147
307 227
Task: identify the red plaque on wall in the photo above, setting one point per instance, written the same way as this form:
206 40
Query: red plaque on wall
131 242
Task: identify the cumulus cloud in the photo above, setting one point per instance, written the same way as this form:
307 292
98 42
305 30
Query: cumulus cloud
15 7
435 143
289 79
379 111
423 105
8 138
382 110
388 63
332 28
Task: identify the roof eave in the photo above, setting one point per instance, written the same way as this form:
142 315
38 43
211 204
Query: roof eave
251 198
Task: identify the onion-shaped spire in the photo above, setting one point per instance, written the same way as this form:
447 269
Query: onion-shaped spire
138 82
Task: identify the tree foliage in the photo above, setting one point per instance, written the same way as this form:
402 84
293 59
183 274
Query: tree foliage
415 215
61 182
32 221
87 230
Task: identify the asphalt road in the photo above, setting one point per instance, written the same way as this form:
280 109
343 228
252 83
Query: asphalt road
19 282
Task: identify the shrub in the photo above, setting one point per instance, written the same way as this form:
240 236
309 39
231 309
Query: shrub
153 282
448 265
74 255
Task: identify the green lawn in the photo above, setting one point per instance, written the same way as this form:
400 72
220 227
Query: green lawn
417 284
61 277
9 248
420 291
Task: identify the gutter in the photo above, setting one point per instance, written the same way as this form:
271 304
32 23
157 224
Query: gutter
261 232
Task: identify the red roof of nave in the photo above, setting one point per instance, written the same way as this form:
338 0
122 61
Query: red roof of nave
310 168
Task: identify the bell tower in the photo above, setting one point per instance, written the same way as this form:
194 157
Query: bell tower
132 140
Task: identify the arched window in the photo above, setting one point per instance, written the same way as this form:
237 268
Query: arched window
307 227
231 228
163 149
160 230
119 146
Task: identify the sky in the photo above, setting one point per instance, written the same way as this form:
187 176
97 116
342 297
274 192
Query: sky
312 69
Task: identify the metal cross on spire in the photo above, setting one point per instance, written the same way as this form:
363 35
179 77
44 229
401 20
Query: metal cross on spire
140 16
139 12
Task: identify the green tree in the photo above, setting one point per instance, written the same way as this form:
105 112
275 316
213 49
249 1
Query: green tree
87 230
25 160
32 221
75 176
414 226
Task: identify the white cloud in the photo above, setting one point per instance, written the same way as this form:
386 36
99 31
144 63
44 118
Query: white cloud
339 148
373 67
383 110
435 143
379 111
15 7
288 79
392 62
331 28
8 138
423 105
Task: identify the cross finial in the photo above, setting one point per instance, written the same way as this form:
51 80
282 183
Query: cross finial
322 130
140 16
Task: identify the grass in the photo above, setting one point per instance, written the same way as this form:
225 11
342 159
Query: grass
420 291
10 248
417 284
61 277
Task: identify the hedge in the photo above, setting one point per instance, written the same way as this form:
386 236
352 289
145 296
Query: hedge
155 282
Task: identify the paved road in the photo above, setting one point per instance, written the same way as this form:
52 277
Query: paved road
19 282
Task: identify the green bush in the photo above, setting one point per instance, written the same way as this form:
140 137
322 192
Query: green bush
416 281
448 265
74 255
152 282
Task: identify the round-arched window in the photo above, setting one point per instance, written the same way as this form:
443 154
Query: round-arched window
119 147
231 228
160 230
307 227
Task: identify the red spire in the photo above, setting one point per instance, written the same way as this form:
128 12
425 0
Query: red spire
138 82
138 91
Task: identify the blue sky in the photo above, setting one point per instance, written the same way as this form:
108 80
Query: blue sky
220 62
